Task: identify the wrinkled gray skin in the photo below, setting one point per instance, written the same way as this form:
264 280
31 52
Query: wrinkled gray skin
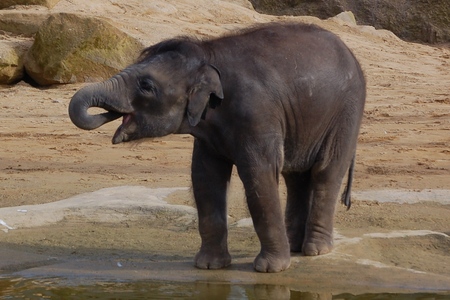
278 99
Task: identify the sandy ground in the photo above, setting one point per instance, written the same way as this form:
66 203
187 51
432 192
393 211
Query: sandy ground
404 145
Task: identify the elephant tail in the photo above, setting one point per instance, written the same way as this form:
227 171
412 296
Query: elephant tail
346 195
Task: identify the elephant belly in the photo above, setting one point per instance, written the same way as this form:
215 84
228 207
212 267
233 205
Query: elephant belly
297 159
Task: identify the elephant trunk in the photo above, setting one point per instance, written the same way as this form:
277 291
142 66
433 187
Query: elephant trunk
103 95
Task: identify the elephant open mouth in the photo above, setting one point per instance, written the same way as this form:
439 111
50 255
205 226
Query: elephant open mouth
125 130
126 119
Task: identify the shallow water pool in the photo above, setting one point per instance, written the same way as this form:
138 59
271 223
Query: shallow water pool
20 288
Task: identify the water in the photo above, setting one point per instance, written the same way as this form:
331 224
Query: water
19 288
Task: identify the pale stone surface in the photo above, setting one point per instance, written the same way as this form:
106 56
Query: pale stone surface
105 205
347 17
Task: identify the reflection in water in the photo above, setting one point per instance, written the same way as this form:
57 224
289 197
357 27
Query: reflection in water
20 288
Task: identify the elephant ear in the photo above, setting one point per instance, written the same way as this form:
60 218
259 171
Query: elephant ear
208 82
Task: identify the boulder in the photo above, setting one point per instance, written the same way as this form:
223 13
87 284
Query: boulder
12 54
421 20
347 17
71 48
46 3
25 23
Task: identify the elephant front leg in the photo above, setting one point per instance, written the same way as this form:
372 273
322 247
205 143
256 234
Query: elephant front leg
210 177
261 187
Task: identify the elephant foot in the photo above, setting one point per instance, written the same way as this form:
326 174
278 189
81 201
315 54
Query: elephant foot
208 260
317 247
267 263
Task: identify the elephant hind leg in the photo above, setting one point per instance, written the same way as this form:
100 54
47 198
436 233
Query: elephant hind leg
299 196
325 186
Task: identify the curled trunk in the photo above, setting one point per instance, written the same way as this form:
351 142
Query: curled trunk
104 95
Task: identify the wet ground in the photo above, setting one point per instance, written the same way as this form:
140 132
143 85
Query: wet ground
134 235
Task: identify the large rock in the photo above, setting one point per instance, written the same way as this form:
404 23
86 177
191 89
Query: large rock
12 53
9 3
25 23
71 48
420 20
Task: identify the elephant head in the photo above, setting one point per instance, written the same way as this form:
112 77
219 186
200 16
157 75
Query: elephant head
166 90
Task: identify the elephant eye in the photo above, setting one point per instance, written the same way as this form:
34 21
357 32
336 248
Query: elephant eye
147 85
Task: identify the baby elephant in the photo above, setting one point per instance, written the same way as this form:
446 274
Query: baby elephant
272 99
